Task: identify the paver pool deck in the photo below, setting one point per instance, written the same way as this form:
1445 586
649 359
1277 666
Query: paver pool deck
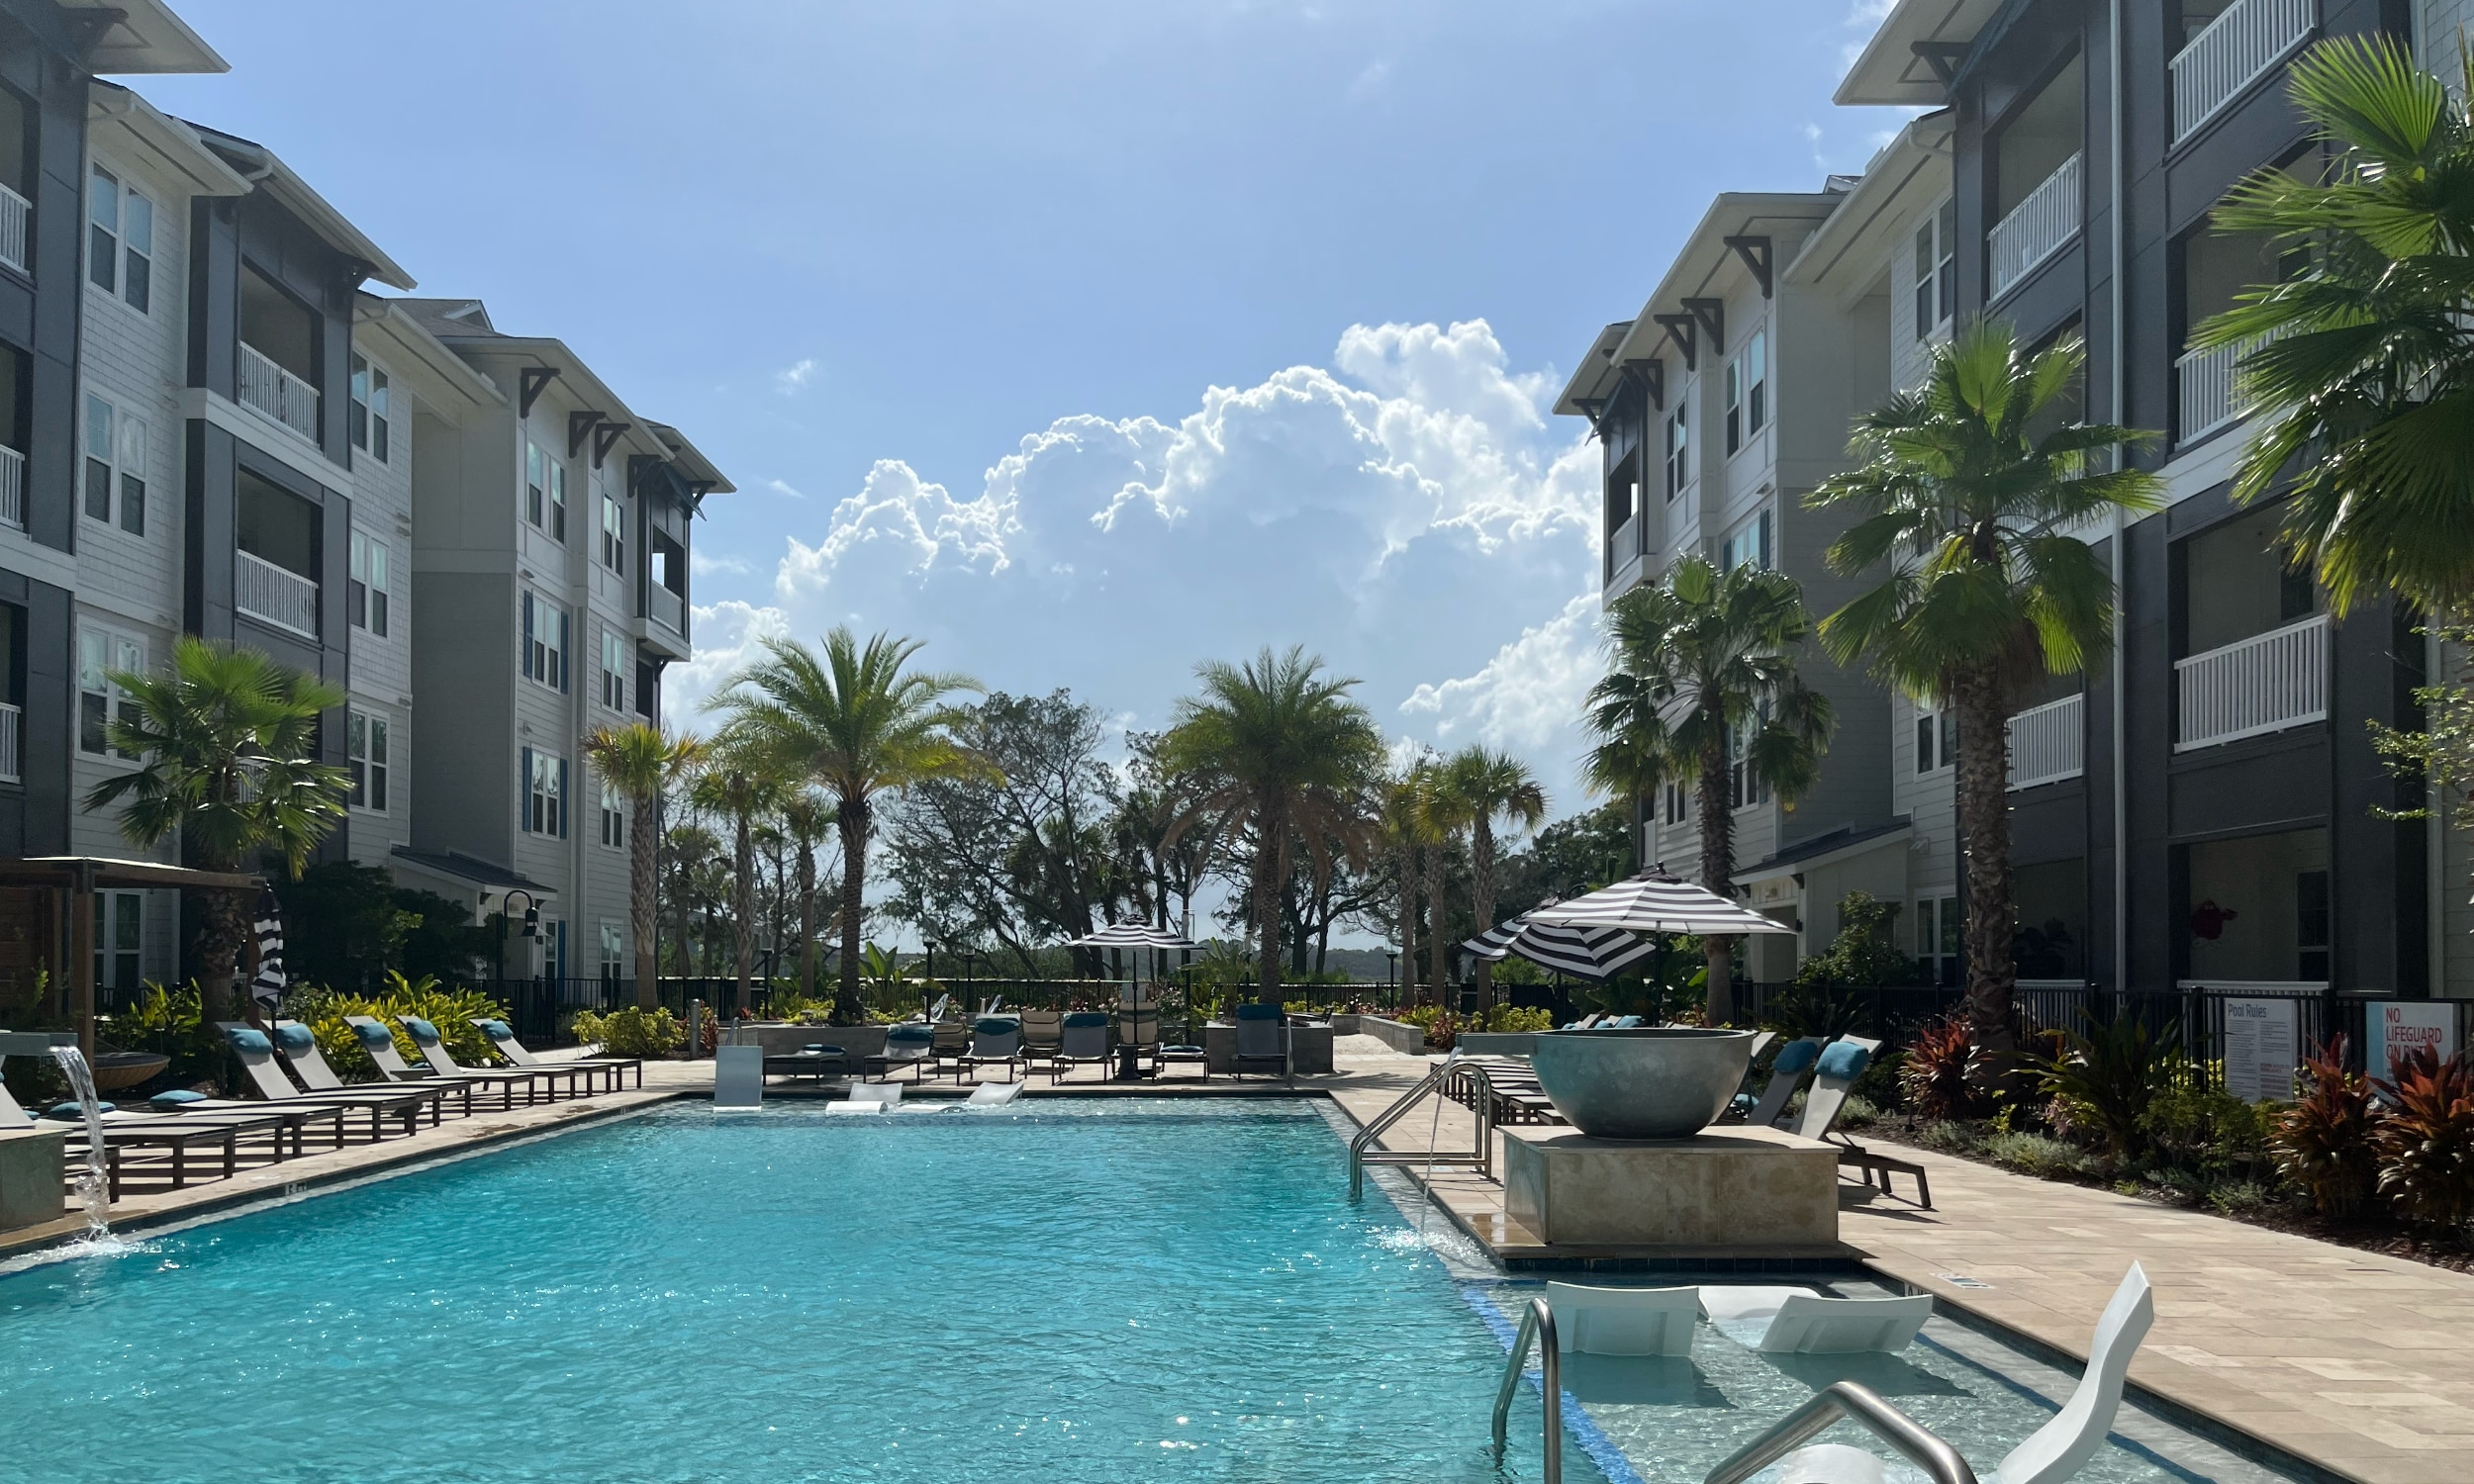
2358 1363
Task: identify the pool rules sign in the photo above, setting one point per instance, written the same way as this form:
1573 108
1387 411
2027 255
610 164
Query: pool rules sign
2261 1052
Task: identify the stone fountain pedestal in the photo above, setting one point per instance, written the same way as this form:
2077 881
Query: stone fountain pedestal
1756 1189
31 1176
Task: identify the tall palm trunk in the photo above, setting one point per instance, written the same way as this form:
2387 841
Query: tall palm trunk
807 917
643 881
743 907
685 903
1482 899
1718 871
1271 872
1407 990
1438 961
222 927
852 819
1982 784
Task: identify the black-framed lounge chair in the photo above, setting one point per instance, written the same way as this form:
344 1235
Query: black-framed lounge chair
378 1042
256 1049
818 1059
503 1040
951 1045
1842 1062
174 1135
995 1041
297 1043
1083 1040
1043 1031
430 1041
912 1044
1261 1039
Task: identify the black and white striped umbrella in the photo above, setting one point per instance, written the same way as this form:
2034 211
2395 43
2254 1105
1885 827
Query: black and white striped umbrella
1655 902
1131 935
266 985
1583 953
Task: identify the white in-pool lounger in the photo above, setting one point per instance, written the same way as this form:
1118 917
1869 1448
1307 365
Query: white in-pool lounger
993 1094
1800 1322
1594 1321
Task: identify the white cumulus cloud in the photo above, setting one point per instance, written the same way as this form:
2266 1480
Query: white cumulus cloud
793 379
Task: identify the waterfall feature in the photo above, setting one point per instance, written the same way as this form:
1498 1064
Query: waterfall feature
94 1186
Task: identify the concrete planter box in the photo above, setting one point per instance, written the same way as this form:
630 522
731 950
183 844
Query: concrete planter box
1756 1189
31 1176
1400 1036
1310 1049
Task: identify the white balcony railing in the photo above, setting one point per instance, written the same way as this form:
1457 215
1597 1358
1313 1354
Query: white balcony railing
14 215
12 727
2048 743
1623 546
278 393
2204 388
2248 38
2038 226
12 488
668 608
2264 684
278 595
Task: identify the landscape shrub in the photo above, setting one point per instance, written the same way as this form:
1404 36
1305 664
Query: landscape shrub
2323 1143
1858 1112
452 1011
1952 1137
2239 1197
2107 1077
2042 1155
2200 1126
1517 1018
1933 1077
2426 1141
631 1031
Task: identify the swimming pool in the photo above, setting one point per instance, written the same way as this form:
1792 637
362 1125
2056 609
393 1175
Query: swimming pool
1070 1293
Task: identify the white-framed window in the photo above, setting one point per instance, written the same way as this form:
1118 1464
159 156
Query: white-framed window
119 938
546 643
1679 800
365 745
100 653
1938 926
120 239
1748 391
546 491
373 412
1936 269
554 948
544 806
115 449
1745 788
1937 738
1678 448
614 950
1748 545
613 816
614 670
365 592
613 534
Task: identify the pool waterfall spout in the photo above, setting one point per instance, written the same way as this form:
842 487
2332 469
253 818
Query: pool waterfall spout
93 1186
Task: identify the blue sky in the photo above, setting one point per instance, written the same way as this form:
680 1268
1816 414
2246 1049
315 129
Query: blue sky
1084 341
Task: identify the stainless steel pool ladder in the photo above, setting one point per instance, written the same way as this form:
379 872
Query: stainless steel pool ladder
1362 1151
1860 1404
1537 1325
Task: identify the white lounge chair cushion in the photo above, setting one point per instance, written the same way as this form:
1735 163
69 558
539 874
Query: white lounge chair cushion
1595 1321
856 1105
1798 1321
2060 1447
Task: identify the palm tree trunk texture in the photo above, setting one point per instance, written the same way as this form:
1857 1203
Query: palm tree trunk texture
1482 899
808 917
743 907
1269 872
1407 992
686 918
1438 964
852 819
222 926
1718 874
644 877
1983 788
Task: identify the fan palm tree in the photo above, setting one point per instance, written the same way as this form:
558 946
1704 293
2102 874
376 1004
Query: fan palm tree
741 779
1702 683
229 741
2362 370
1490 785
1275 746
1965 492
642 763
854 720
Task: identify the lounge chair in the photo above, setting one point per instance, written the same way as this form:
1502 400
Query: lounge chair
1786 1073
378 1042
139 1131
1620 1023
868 1097
430 1041
503 1040
255 1051
950 1044
2054 1452
1800 1322
297 1043
993 1094
1042 1031
1842 1062
1594 1321
1261 1039
1584 1023
995 1041
912 1044
814 1060
1082 1040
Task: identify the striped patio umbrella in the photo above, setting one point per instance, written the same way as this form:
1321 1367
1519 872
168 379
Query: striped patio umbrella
1655 902
1131 935
1597 954
266 984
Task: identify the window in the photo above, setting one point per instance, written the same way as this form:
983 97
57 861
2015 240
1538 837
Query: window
1678 448
370 408
2310 926
1748 391
555 950
614 815
546 491
1748 546
614 950
365 744
120 937
120 240
546 643
1745 788
115 466
613 534
1937 937
544 794
614 670
365 593
1678 797
1937 739
99 700
1937 269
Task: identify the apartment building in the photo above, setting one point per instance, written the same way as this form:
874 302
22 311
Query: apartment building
2199 806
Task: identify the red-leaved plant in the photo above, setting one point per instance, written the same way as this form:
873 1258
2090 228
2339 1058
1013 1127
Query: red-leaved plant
1934 1073
2324 1143
2426 1141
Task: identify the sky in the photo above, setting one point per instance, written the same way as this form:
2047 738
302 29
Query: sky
1083 341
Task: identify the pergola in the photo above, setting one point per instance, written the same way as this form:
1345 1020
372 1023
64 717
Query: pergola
46 917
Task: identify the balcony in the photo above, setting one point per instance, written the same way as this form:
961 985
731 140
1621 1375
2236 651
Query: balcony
12 727
277 393
274 594
2264 684
666 607
15 213
2203 383
2048 743
2036 228
12 488
1623 547
2223 61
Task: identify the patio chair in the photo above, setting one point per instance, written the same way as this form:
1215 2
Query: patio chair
430 1041
503 1040
949 1045
912 1044
993 1094
378 1043
298 1045
123 1131
2052 1453
868 1097
1262 1038
1786 1073
1620 1023
255 1051
1800 1322
1083 1040
1594 1321
1833 1075
1042 1031
995 1041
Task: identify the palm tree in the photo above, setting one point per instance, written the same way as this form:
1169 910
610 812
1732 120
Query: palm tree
1490 785
642 763
1702 683
1440 819
230 742
1275 746
807 816
1969 502
2362 369
740 780
854 722
1403 824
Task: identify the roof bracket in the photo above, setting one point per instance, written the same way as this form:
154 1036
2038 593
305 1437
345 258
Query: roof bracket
610 433
531 383
1756 255
580 427
1943 58
1679 329
1712 312
1651 375
87 28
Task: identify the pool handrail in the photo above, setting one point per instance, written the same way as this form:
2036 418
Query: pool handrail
1537 1325
1861 1404
1361 1151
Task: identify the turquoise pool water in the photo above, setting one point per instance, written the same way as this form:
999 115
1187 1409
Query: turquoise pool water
1075 1293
